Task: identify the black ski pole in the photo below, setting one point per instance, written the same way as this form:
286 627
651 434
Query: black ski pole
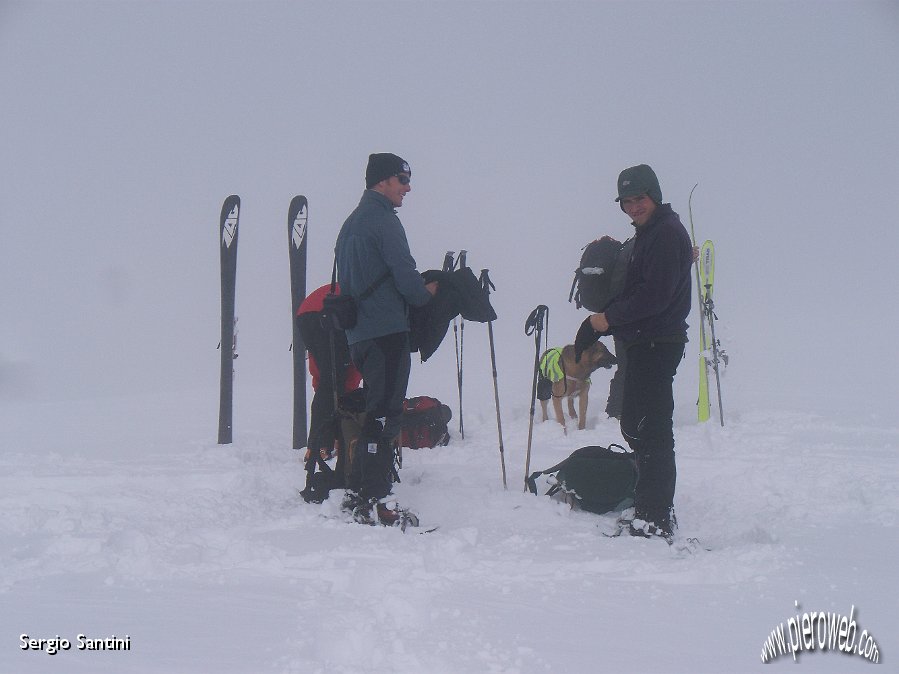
487 286
331 323
534 326
459 333
711 318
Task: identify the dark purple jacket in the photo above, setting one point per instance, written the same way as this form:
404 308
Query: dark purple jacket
657 291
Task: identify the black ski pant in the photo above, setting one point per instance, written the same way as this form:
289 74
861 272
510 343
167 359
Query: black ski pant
616 385
647 426
316 336
385 363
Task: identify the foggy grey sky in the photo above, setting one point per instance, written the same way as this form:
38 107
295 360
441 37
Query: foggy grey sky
125 125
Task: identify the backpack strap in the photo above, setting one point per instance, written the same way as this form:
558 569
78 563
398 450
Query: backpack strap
365 293
532 478
334 274
574 289
374 285
532 481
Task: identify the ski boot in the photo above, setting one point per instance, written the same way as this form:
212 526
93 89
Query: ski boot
386 513
643 529
662 527
621 524
351 501
391 515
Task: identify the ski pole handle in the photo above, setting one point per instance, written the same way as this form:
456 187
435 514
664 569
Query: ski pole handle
448 260
486 283
534 323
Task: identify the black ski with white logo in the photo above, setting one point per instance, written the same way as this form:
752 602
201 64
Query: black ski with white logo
297 220
228 344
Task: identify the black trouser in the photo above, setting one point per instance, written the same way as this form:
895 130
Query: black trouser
385 363
616 385
647 425
315 333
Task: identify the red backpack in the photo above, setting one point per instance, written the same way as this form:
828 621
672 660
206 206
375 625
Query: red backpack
424 423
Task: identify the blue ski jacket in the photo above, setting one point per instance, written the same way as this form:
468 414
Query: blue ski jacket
655 301
372 246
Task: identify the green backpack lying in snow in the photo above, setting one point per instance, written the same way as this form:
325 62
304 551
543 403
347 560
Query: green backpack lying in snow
596 479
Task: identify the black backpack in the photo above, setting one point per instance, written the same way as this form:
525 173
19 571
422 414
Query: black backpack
423 424
599 278
321 478
596 479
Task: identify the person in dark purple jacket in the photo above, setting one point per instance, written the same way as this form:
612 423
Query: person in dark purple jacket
649 317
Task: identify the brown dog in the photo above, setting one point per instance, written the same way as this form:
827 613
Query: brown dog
570 379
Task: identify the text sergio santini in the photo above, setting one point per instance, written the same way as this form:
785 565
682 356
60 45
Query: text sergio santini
82 643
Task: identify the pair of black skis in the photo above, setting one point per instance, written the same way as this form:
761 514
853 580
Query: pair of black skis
297 220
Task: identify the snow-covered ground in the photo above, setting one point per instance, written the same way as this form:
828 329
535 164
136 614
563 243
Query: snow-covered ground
123 517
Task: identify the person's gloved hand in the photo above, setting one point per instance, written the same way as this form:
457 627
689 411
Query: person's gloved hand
586 337
587 334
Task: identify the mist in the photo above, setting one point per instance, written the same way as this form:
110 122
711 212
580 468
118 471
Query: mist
125 126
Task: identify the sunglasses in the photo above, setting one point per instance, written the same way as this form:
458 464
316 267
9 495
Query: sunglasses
403 178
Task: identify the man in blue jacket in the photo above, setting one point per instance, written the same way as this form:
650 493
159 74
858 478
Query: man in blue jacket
649 317
375 266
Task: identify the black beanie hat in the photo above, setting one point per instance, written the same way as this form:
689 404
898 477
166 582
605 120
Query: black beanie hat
383 165
638 180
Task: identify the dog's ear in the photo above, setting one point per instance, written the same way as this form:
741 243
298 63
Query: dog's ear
609 360
602 357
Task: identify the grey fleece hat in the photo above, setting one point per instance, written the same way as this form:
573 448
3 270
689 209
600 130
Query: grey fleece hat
636 180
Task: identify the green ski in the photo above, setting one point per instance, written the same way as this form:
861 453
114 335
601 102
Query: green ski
712 354
703 407
703 401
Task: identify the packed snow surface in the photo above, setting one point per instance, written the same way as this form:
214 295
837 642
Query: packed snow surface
122 517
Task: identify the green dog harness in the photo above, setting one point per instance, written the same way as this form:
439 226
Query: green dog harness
551 366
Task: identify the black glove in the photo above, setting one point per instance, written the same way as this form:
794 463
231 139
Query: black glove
586 337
